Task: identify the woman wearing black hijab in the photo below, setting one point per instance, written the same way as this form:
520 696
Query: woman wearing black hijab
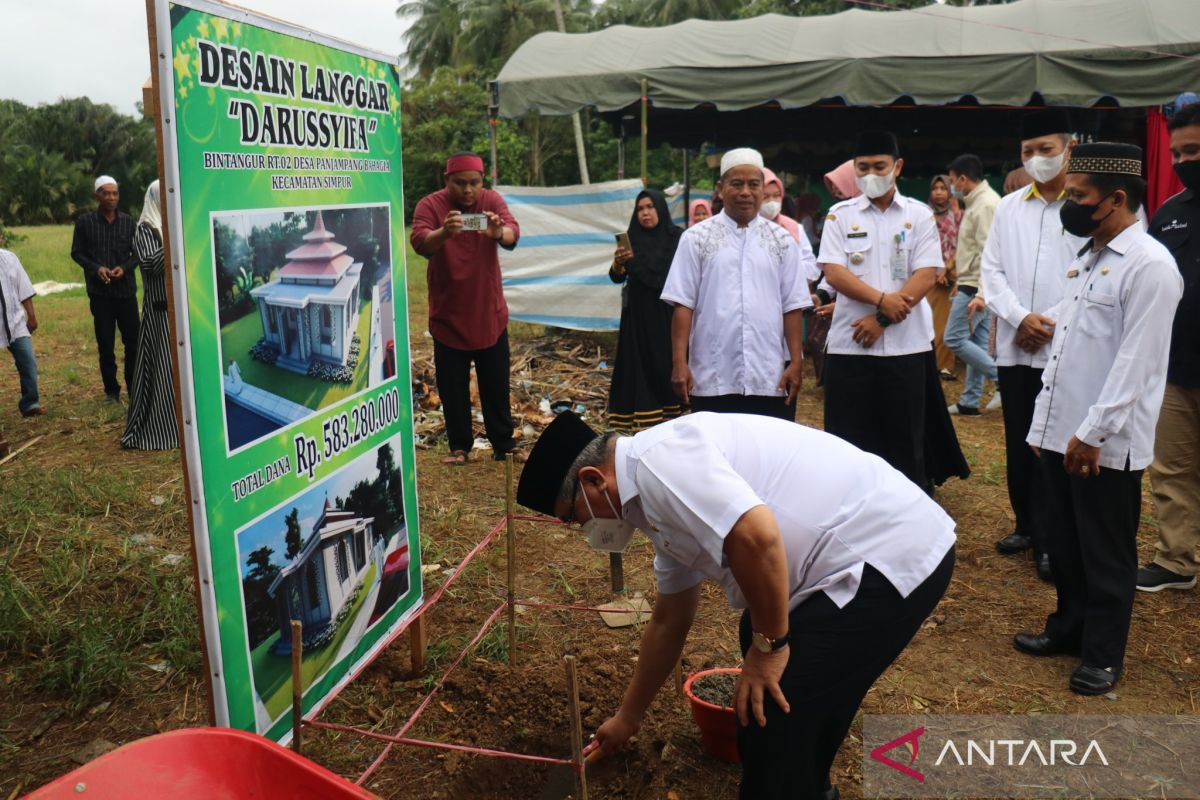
641 393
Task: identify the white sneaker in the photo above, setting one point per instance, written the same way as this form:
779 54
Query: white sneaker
994 403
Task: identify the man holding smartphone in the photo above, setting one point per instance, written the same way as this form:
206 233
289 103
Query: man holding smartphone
468 317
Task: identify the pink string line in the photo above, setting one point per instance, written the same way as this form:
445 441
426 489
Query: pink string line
482 751
926 12
429 697
580 608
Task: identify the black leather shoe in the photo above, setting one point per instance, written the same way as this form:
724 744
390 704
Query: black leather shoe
1039 644
1094 680
1042 562
1014 543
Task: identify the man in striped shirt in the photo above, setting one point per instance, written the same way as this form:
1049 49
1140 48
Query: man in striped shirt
103 247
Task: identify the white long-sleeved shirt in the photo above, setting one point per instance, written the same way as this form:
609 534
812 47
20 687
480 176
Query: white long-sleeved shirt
686 483
1024 267
15 289
1107 371
739 282
864 240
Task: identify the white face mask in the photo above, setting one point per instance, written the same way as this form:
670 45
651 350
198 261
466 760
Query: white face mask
609 535
874 186
770 209
1045 168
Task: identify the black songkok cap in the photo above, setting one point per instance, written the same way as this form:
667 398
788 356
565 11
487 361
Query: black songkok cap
1106 158
1045 122
876 143
551 457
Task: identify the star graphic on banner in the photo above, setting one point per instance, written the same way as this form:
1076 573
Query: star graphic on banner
202 29
220 28
183 65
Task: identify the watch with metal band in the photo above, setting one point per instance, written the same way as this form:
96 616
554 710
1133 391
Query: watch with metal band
766 644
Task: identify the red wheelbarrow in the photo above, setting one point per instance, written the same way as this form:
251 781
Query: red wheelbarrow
213 763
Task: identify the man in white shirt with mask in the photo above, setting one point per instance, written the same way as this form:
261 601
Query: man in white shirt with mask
1024 268
1093 422
835 557
738 284
881 253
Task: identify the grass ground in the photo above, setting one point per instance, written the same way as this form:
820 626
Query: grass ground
45 251
98 630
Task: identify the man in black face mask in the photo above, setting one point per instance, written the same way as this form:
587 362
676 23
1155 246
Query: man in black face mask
1175 473
1093 423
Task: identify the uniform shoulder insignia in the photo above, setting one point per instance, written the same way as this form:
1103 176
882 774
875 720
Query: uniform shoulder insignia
831 216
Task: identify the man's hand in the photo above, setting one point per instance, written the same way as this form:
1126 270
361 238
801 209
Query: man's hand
681 382
1081 459
615 733
793 377
826 310
452 224
942 280
896 306
495 228
104 274
117 273
1035 332
760 676
867 330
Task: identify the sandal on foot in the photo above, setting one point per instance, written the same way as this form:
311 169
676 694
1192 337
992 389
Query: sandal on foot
457 458
519 456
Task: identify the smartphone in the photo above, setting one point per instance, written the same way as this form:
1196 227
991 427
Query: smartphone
623 240
474 222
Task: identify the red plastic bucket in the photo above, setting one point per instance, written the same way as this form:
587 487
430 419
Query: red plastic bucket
718 724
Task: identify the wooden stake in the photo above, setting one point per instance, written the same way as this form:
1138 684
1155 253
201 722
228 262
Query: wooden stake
679 675
616 568
512 559
576 726
417 644
297 685
645 127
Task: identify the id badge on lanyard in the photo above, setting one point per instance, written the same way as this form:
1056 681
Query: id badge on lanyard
899 258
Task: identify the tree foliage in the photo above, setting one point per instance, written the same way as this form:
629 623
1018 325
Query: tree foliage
50 154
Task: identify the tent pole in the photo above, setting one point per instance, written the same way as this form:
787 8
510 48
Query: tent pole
687 185
580 152
493 120
645 127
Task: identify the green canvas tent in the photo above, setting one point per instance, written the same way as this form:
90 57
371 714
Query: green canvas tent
1030 52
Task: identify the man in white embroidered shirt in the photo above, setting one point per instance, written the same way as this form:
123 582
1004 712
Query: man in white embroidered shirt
738 286
1093 423
1024 267
882 253
837 559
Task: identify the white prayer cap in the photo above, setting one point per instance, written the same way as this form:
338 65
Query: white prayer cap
741 156
105 180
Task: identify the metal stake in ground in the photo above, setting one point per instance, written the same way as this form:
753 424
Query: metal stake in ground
297 687
512 559
576 727
616 567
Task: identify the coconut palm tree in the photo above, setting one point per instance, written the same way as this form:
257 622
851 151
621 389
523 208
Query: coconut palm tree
435 35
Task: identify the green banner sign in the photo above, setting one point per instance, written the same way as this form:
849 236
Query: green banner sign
285 213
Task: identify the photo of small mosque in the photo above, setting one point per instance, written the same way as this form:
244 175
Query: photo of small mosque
336 558
304 302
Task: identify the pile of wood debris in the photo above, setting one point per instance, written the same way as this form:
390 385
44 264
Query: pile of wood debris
549 374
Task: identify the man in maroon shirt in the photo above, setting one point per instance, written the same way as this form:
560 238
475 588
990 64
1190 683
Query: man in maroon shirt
468 317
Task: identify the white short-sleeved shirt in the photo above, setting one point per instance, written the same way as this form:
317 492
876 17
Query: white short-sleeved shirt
1107 372
1024 266
15 285
686 483
864 240
739 282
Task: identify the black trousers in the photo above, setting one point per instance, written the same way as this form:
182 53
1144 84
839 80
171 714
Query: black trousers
1091 536
746 404
836 655
453 371
109 314
1020 386
877 404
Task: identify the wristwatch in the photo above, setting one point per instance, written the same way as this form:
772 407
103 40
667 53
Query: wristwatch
882 319
766 644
